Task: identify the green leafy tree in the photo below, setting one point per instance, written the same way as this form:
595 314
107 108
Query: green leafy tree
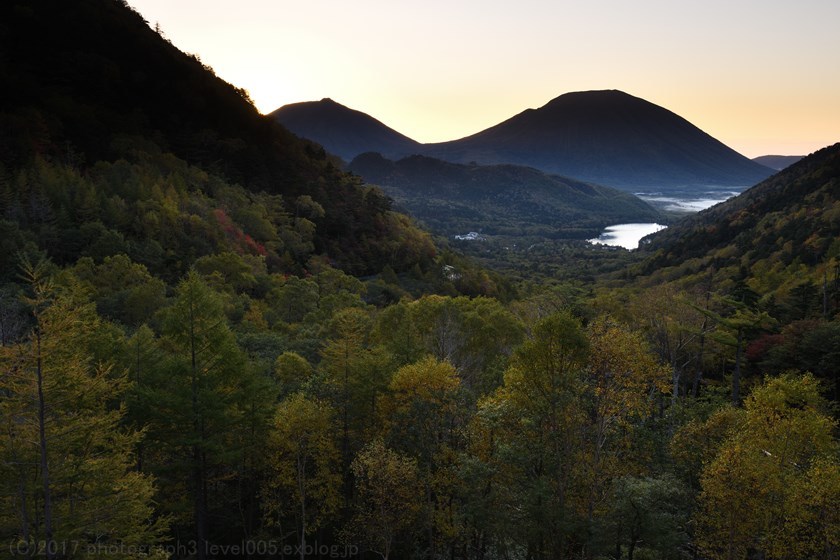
123 290
291 371
624 379
543 424
354 374
646 515
733 330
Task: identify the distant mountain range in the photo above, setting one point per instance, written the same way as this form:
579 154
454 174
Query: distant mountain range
605 137
777 162
499 199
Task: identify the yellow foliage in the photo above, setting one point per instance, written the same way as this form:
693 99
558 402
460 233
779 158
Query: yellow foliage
774 484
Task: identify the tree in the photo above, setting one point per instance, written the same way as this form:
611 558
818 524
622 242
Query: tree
734 331
647 513
543 422
389 497
196 405
674 328
303 478
123 290
811 526
624 379
758 493
355 373
77 483
477 336
291 371
421 418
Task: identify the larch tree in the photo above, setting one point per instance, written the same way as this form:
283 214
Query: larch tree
355 373
198 406
68 464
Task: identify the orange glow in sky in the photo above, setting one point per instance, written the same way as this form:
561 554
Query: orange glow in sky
761 76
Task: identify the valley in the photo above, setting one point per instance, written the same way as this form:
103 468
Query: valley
223 338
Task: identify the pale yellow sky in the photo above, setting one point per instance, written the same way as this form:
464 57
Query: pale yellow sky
761 76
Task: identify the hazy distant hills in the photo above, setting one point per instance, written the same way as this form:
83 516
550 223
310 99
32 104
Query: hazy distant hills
789 221
343 131
777 162
610 138
604 137
499 199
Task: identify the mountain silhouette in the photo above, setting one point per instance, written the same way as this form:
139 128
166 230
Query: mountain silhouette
610 138
604 137
343 131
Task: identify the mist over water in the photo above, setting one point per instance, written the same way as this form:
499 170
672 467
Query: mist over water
687 202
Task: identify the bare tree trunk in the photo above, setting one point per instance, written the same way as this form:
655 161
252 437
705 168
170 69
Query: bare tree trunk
736 375
199 504
698 372
42 436
825 292
199 483
24 508
301 465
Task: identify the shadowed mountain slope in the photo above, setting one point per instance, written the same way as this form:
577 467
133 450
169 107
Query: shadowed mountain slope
605 137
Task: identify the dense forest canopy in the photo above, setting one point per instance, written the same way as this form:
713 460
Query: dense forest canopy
216 344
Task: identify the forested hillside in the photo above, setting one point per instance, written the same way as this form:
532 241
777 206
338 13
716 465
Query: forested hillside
499 199
99 99
782 231
214 344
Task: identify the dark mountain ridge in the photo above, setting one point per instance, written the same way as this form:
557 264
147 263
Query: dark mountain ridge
343 131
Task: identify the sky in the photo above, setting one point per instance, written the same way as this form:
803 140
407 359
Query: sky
762 76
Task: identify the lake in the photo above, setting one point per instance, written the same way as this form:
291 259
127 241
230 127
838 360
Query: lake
687 202
626 235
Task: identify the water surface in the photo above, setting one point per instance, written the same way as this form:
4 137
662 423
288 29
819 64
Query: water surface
686 202
626 235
